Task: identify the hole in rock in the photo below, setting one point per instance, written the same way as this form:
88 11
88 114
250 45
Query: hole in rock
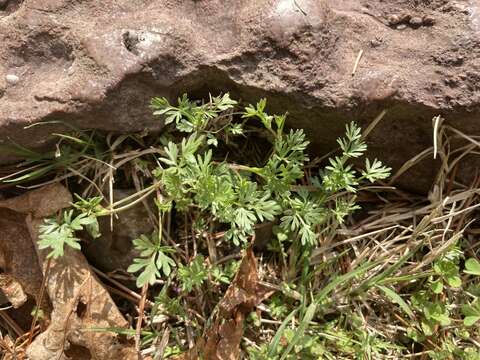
9 6
81 309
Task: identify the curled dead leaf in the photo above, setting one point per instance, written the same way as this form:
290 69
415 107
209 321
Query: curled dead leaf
17 252
80 303
12 290
221 340
18 257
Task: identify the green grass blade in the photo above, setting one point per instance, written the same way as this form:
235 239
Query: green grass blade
389 271
320 297
71 138
31 175
312 308
344 278
272 348
397 299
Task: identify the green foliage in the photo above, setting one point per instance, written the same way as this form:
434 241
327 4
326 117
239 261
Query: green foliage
340 175
164 304
70 153
472 267
243 196
224 274
309 347
153 259
471 312
447 270
189 116
195 173
55 234
395 298
278 307
193 275
93 209
328 341
433 303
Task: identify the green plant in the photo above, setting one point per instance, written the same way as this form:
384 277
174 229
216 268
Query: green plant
472 267
278 307
447 270
55 234
153 259
471 310
238 195
193 275
224 274
216 200
309 347
243 196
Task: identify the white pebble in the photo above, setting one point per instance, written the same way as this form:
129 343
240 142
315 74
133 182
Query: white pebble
12 79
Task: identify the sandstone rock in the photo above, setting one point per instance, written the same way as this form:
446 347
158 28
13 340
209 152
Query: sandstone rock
97 64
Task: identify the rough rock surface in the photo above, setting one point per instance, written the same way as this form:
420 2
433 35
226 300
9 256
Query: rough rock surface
97 64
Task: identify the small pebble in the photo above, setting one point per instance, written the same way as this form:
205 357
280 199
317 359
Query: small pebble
401 27
12 79
393 20
428 20
405 18
375 43
416 21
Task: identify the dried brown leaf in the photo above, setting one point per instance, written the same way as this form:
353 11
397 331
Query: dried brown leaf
12 290
17 252
80 303
222 338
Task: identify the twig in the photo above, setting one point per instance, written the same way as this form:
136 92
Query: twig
16 329
126 296
357 61
120 285
39 300
373 124
212 250
160 348
138 328
299 8
436 123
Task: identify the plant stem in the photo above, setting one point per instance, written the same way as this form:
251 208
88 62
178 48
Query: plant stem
138 328
39 301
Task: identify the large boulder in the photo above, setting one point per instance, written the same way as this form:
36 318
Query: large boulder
96 64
